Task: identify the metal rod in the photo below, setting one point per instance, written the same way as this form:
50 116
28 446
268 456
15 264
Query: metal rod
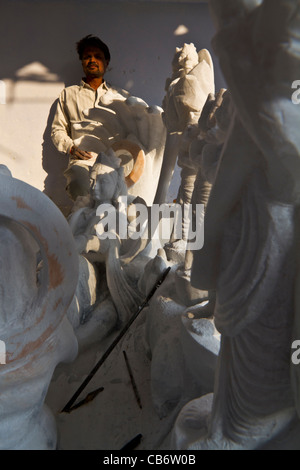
90 397
68 406
131 445
136 392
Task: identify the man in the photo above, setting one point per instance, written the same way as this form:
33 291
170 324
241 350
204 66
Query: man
95 57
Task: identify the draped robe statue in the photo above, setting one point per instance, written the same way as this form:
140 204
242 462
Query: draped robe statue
251 245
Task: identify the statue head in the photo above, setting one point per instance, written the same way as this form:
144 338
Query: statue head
107 178
185 59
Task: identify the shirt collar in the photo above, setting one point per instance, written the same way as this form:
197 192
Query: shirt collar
104 85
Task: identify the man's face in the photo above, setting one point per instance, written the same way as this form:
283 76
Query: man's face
93 62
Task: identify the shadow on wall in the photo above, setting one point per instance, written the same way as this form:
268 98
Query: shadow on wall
54 164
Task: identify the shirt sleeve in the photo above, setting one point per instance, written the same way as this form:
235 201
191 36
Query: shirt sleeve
61 129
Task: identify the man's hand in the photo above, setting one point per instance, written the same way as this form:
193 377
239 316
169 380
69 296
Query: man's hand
79 154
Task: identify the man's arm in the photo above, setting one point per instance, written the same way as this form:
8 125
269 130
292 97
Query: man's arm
61 130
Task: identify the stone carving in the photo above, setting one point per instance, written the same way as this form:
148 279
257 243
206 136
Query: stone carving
179 323
110 258
204 150
201 141
250 250
186 93
134 131
132 266
122 127
183 344
38 277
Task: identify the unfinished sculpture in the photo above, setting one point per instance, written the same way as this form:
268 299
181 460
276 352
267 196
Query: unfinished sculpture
206 122
131 268
250 250
38 277
183 344
114 260
179 325
118 127
186 312
134 131
186 93
206 142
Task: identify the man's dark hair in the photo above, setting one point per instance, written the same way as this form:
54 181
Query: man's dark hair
94 41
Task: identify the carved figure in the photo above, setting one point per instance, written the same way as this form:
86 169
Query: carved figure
250 249
135 132
38 277
109 194
186 93
204 151
179 324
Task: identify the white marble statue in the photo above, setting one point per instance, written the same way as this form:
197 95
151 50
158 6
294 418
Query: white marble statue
134 131
186 93
38 278
180 331
250 253
130 138
204 150
187 90
110 261
189 345
182 341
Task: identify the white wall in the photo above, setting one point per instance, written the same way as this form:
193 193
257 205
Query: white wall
38 59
